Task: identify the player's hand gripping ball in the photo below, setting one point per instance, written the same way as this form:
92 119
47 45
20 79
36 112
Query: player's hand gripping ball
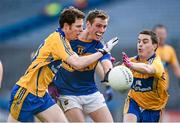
120 78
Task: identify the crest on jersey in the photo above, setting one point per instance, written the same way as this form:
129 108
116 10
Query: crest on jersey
80 49
138 83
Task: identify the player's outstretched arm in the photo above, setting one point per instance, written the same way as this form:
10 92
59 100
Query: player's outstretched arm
143 68
83 61
140 67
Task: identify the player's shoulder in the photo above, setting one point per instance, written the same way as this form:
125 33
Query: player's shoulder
168 47
157 61
89 42
55 38
54 35
134 58
157 58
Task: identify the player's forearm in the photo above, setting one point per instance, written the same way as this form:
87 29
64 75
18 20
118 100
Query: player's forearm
103 68
177 73
83 61
176 70
100 71
142 68
107 64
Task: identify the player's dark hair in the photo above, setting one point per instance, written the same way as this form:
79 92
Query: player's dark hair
154 37
96 14
69 16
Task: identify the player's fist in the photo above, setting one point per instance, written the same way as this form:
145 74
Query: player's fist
126 60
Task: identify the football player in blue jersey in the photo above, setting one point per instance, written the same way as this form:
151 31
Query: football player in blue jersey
77 88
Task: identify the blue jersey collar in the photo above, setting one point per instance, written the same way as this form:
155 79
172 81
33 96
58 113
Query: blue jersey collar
152 57
60 31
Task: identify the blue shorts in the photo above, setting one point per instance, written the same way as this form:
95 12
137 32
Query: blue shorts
143 115
24 105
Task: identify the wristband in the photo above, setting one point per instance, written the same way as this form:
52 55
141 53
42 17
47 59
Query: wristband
102 51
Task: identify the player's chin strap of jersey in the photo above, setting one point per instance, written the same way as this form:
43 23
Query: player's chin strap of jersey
108 46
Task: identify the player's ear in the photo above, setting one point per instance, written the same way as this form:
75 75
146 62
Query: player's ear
66 26
155 46
88 24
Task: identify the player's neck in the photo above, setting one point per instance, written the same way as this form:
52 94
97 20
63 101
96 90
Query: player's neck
161 43
67 35
142 58
85 36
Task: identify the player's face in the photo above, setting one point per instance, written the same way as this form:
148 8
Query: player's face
162 34
145 47
97 28
75 29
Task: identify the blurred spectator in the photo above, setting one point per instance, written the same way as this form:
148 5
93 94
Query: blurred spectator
1 72
167 52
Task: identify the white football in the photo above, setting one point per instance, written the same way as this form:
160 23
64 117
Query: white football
120 78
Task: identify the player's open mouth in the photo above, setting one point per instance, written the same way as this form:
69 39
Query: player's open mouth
99 34
140 50
78 34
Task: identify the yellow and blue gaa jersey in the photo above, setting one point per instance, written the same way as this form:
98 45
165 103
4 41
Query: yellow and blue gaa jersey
168 56
150 90
79 82
45 63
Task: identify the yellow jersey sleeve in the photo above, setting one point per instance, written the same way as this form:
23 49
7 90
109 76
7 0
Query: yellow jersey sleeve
173 59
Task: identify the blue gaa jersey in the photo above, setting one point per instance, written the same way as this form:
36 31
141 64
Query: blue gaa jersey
79 82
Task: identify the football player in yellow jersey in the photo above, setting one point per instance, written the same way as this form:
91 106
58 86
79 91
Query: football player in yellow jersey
166 52
148 94
29 97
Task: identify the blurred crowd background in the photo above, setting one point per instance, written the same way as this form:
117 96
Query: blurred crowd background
24 24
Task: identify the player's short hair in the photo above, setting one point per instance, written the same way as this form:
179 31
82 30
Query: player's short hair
159 26
69 16
154 37
96 14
